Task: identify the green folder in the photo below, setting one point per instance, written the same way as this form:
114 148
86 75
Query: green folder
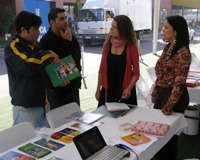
66 69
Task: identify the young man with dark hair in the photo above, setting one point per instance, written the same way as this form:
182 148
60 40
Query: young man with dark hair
59 39
25 65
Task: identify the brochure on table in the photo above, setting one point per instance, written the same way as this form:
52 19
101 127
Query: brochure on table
114 137
141 147
73 124
55 152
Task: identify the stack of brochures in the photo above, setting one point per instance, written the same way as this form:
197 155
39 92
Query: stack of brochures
66 135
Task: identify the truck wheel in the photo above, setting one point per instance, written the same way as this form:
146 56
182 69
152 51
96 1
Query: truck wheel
87 42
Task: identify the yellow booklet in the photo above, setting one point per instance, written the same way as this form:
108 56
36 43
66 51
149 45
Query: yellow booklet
136 138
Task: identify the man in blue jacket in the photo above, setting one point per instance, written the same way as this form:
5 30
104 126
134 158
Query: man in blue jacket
25 65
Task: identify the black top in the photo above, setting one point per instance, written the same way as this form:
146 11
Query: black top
116 66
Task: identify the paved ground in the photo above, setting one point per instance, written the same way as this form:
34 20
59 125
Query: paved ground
88 102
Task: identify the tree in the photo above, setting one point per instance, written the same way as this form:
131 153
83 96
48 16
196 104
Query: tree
8 19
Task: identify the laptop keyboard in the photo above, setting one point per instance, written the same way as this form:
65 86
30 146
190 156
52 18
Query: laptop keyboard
109 153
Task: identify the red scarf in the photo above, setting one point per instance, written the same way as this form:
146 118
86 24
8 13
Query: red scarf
117 42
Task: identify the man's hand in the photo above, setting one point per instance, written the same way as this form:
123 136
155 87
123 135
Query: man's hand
67 34
55 58
66 82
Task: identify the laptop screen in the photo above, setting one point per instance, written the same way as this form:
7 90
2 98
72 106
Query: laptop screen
89 142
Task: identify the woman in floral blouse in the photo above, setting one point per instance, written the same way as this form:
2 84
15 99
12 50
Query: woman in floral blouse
170 92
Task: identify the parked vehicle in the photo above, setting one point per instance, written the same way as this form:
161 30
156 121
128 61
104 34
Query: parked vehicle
74 28
95 17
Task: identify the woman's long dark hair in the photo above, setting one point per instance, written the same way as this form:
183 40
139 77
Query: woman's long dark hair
125 28
179 24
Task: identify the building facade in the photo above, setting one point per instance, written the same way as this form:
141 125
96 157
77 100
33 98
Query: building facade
72 7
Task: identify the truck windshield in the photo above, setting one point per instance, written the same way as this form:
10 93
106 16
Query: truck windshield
91 15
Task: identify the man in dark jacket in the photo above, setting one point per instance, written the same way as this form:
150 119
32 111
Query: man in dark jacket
25 65
59 39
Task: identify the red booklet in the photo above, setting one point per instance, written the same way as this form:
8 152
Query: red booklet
154 128
62 137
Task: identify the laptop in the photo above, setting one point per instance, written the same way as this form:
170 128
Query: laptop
103 110
92 146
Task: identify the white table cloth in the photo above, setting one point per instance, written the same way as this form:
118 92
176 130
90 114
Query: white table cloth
110 128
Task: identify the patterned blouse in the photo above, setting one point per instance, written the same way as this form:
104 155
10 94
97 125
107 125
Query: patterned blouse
171 72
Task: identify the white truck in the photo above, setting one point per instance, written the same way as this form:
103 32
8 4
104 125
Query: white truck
94 22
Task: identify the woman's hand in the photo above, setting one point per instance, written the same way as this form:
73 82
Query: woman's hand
126 94
166 111
154 95
97 95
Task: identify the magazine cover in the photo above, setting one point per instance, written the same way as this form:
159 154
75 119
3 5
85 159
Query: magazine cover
66 69
136 138
12 155
34 150
62 137
71 132
49 144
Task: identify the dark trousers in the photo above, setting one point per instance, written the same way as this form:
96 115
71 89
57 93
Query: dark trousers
58 99
170 150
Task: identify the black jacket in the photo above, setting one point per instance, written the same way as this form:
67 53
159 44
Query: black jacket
63 48
25 66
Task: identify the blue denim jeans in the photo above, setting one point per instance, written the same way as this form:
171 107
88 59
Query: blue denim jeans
34 115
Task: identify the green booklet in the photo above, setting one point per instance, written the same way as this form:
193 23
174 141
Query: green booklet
66 69
34 150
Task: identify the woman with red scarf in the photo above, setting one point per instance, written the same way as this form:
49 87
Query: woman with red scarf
119 68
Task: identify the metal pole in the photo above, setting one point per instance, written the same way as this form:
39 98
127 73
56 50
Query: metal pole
83 74
156 24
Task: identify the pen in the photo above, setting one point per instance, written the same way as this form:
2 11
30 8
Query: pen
120 99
